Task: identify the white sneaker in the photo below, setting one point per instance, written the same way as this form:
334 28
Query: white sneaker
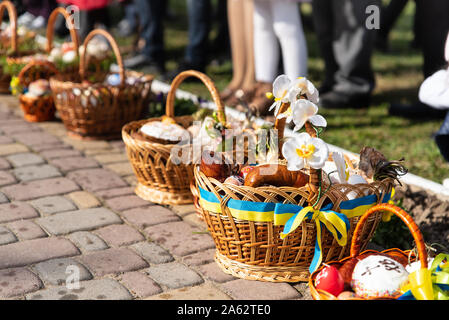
25 19
38 23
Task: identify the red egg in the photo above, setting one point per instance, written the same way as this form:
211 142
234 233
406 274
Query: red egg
330 280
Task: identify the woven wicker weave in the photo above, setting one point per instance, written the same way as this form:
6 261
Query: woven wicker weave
5 79
356 247
37 109
159 179
92 111
255 250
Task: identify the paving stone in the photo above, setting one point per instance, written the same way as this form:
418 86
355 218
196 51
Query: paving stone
3 198
80 220
53 204
194 220
183 210
140 284
4 164
6 178
6 236
131 180
126 202
84 199
40 188
304 291
118 144
205 291
60 153
213 272
148 216
5 139
56 271
116 192
96 179
11 148
117 235
113 261
174 275
17 127
74 163
16 211
242 289
86 144
25 159
26 229
43 147
94 152
111 158
36 172
35 138
18 281
102 289
121 168
152 252
87 241
27 252
199 258
179 238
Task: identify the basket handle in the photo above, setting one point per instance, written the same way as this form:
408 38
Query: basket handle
51 27
314 174
170 106
114 46
36 63
416 233
13 21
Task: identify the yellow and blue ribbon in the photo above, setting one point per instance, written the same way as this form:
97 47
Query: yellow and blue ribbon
291 216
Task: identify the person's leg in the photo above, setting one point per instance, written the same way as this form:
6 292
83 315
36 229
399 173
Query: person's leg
249 74
152 19
266 47
199 12
236 25
288 28
389 15
324 30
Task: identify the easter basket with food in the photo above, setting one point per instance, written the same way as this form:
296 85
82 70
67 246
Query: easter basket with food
33 90
97 105
392 274
9 46
162 176
299 206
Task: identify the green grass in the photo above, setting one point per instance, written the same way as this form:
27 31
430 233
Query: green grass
398 76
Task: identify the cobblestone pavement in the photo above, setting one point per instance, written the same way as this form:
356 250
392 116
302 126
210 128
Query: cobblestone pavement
68 205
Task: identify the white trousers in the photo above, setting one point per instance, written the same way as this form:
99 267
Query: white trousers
278 20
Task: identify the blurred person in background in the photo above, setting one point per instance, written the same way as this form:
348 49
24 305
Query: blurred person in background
36 14
240 25
346 45
151 14
432 28
91 13
277 29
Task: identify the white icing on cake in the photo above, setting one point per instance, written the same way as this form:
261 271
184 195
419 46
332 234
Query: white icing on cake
166 131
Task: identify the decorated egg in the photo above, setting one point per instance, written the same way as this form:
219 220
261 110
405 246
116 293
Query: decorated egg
69 56
378 276
237 180
329 280
113 79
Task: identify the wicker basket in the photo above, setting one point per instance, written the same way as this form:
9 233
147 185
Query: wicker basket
5 79
318 294
37 109
92 111
254 249
159 179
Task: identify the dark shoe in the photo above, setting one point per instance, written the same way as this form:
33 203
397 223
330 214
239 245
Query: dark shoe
416 111
184 66
144 61
340 100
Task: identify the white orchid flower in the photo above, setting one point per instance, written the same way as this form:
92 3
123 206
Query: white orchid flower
281 87
302 86
304 110
303 150
343 173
